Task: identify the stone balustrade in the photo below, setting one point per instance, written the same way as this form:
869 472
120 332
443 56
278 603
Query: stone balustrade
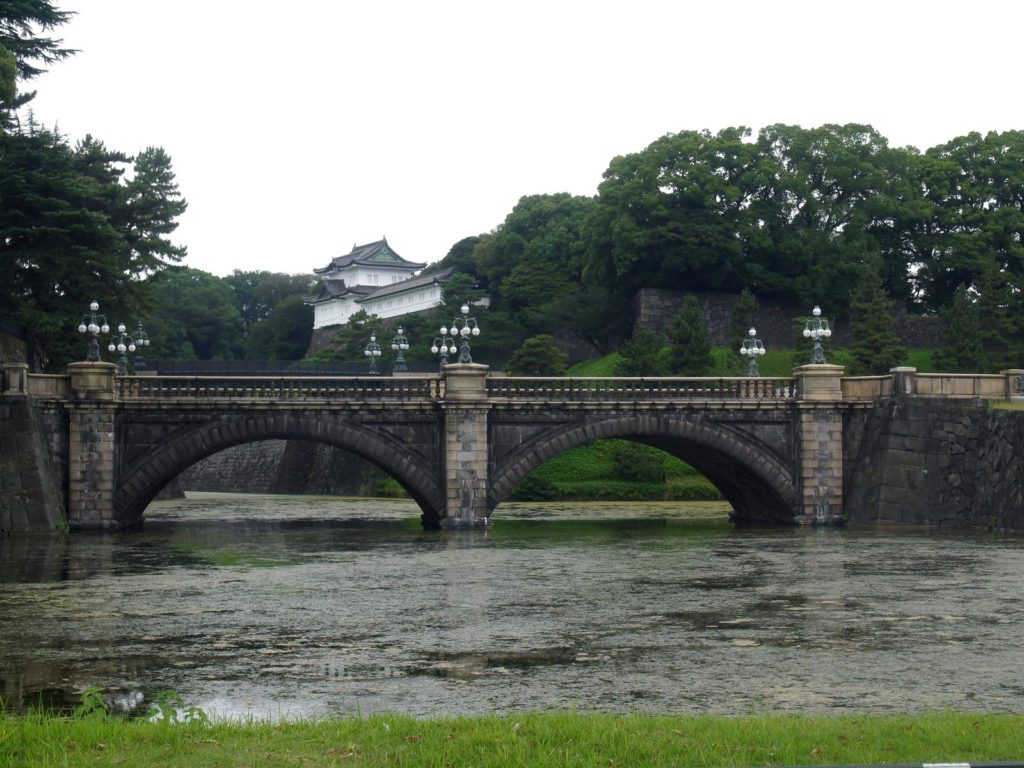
643 388
900 381
278 388
444 437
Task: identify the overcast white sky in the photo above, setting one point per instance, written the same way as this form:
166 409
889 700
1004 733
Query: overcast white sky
297 129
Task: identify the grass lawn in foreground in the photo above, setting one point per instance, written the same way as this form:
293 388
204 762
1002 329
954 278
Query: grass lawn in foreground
536 740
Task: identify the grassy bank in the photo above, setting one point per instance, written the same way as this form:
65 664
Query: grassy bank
615 470
519 740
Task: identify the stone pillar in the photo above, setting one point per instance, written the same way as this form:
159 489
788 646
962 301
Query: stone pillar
91 446
820 445
1014 384
15 378
465 437
904 381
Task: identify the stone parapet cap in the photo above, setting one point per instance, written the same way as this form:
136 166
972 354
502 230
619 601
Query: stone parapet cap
822 381
92 380
465 381
15 378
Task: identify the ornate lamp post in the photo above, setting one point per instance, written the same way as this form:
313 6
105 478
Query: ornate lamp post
400 344
444 346
122 344
817 328
140 339
752 348
465 327
93 324
372 351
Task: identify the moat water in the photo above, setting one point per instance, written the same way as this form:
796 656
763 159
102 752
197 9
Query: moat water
298 606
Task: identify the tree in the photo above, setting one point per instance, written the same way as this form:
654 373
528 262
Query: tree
23 52
975 188
256 293
675 214
153 205
283 334
193 317
690 353
66 238
640 355
8 81
960 347
349 342
999 305
741 319
826 201
538 356
59 249
459 256
876 347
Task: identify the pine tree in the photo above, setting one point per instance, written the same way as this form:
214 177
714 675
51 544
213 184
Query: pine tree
690 353
538 356
741 319
960 349
876 347
997 334
640 355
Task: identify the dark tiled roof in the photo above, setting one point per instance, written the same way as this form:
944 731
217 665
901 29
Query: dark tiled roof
334 288
378 254
409 285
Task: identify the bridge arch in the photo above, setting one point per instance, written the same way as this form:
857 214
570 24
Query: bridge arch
140 482
757 484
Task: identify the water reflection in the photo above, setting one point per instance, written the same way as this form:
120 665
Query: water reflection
289 605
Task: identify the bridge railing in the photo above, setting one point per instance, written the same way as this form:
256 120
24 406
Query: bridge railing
979 385
867 387
48 386
277 388
643 388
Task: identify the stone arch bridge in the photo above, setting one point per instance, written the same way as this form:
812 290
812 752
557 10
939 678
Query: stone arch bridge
459 442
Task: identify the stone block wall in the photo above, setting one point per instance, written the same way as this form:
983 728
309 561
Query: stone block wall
283 466
30 493
933 462
655 308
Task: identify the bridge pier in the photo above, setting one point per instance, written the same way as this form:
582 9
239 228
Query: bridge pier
465 446
820 444
91 481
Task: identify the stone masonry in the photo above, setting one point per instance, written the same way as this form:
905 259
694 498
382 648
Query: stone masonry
30 498
935 462
466 446
815 449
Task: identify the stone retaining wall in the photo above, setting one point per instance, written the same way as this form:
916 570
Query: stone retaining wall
933 462
776 321
283 466
30 495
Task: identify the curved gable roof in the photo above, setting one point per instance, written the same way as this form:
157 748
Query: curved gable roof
377 254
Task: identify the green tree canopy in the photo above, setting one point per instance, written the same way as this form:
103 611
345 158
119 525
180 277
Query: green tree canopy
284 334
961 349
641 355
256 293
741 318
349 342
876 347
24 48
69 235
193 317
690 353
538 356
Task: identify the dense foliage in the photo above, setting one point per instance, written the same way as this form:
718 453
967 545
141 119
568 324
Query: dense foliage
792 214
74 226
830 215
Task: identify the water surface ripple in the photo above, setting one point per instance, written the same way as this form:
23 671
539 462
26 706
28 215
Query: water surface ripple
290 606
